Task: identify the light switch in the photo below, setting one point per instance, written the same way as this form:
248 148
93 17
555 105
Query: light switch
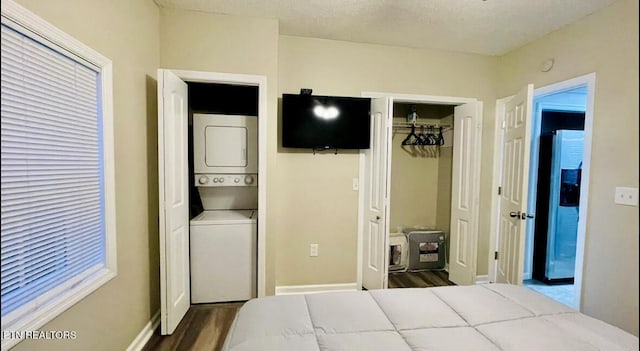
313 250
626 196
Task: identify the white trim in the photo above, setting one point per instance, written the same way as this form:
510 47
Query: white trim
482 279
564 85
29 24
261 82
145 334
402 98
420 99
262 184
387 195
222 78
590 80
109 168
315 289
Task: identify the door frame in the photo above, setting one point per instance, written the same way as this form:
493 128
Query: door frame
589 80
261 83
403 98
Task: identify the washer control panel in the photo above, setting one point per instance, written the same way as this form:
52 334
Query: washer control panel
226 179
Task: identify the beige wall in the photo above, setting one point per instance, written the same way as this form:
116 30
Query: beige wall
314 199
199 41
605 43
112 316
414 182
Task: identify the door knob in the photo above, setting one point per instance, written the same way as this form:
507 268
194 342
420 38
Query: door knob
377 218
514 214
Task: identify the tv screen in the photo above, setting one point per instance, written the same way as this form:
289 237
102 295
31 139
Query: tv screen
325 122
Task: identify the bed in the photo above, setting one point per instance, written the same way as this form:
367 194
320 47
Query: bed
487 317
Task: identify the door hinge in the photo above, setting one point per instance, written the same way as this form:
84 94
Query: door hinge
504 124
499 190
495 255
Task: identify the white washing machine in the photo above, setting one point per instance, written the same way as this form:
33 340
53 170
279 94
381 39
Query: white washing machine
223 256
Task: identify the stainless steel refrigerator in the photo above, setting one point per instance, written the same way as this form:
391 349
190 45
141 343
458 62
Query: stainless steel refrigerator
566 170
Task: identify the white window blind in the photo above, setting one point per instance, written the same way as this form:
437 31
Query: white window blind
52 191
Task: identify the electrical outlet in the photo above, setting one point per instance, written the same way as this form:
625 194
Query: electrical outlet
313 250
355 184
626 196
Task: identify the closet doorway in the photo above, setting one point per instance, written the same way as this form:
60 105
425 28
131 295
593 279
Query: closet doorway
419 190
173 179
421 161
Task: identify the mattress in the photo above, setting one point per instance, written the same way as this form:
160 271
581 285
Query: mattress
487 317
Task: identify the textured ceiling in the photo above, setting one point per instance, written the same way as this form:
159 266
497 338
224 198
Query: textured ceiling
491 27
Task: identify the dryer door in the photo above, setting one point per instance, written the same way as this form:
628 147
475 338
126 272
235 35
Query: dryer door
225 146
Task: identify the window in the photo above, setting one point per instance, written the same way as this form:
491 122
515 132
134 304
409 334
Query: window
57 187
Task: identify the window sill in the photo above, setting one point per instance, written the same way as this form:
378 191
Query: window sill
33 320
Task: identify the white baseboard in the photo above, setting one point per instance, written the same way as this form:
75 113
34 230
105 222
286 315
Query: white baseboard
145 334
314 289
482 279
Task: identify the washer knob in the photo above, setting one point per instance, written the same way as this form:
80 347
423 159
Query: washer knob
236 180
215 180
203 180
248 179
221 180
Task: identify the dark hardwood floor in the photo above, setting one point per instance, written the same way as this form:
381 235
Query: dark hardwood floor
423 279
204 327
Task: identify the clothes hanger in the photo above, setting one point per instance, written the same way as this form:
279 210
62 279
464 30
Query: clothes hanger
422 137
431 137
408 140
440 137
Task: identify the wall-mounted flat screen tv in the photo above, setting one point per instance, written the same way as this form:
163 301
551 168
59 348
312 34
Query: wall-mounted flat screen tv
325 122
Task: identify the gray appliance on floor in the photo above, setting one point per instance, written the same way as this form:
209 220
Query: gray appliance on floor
426 249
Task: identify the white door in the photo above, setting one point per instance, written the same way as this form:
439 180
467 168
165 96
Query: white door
174 199
374 265
465 193
515 179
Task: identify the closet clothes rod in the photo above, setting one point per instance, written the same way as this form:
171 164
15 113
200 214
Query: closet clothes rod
419 124
444 127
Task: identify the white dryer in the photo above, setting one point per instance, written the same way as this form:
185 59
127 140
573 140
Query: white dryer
223 256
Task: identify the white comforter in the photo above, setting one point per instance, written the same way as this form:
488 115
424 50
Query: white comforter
482 317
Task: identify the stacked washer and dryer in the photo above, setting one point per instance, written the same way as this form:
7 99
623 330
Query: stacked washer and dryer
223 238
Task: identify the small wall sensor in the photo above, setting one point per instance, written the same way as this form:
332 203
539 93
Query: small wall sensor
546 65
305 91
